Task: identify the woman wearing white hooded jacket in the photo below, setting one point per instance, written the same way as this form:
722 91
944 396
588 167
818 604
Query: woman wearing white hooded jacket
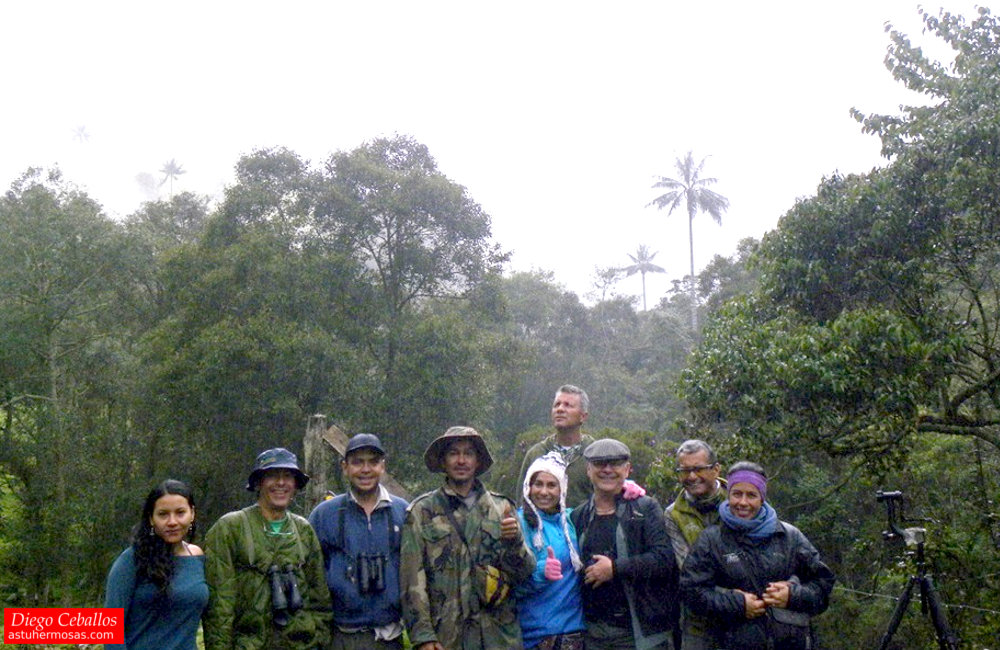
550 608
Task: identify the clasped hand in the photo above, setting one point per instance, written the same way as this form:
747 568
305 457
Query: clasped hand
602 570
775 595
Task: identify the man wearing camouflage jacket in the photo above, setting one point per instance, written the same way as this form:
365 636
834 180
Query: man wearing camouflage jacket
462 554
264 568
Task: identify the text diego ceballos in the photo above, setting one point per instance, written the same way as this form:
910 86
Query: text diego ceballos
64 625
64 619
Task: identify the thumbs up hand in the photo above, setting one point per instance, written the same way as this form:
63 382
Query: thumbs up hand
510 531
553 567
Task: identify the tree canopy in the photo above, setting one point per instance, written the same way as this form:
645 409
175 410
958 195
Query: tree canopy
872 337
853 348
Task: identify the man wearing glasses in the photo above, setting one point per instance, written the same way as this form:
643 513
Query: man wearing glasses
695 508
630 581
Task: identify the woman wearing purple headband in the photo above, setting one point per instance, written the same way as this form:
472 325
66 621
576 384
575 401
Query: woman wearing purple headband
757 579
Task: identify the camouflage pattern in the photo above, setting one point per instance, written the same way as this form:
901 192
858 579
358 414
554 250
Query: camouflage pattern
238 551
440 601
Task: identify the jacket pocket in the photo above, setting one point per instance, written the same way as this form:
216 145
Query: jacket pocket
438 550
789 617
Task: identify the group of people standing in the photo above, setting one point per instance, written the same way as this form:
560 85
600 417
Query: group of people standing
463 567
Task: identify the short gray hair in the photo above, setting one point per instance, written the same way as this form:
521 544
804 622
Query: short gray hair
747 466
694 446
575 390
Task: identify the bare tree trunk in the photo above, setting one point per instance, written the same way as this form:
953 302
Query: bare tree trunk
319 461
322 445
691 289
644 291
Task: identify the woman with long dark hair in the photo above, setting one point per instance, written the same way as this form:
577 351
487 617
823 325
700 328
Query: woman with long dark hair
160 579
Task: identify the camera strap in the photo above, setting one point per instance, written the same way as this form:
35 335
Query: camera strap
450 511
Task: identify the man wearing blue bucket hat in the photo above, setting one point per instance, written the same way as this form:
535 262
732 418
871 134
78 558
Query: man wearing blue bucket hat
264 567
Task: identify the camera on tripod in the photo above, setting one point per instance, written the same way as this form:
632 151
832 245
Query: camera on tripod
920 581
893 501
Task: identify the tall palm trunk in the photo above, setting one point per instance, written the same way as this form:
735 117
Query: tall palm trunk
691 284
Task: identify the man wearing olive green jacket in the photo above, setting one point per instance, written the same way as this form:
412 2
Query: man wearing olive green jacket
695 509
264 568
569 411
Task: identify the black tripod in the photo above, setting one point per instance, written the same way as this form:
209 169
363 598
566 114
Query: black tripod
930 601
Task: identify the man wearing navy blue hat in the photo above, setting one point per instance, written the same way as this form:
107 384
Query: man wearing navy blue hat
264 568
359 532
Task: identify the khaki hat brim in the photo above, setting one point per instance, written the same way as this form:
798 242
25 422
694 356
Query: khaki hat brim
435 452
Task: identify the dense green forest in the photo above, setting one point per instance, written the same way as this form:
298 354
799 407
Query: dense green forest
854 348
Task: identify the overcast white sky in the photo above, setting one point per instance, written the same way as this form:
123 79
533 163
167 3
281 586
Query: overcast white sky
556 116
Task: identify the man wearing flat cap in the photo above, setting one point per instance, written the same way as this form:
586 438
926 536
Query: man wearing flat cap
360 532
463 552
630 580
264 568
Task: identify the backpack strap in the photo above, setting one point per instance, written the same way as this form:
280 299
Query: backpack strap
449 510
340 525
294 520
247 536
391 527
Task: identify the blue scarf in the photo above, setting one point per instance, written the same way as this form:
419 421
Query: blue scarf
762 526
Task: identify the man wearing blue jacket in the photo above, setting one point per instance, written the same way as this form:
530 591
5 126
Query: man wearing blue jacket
360 534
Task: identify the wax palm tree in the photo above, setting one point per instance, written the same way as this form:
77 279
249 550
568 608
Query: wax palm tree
170 171
692 190
642 263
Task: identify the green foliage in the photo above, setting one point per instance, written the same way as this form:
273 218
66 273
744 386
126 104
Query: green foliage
854 348
63 381
877 310
350 291
443 359
868 355
851 387
626 361
862 240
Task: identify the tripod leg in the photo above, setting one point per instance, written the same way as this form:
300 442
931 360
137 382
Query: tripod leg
946 638
897 614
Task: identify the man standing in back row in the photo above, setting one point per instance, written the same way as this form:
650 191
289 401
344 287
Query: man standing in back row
569 411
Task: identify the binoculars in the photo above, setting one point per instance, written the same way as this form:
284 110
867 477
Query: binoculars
371 572
285 596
